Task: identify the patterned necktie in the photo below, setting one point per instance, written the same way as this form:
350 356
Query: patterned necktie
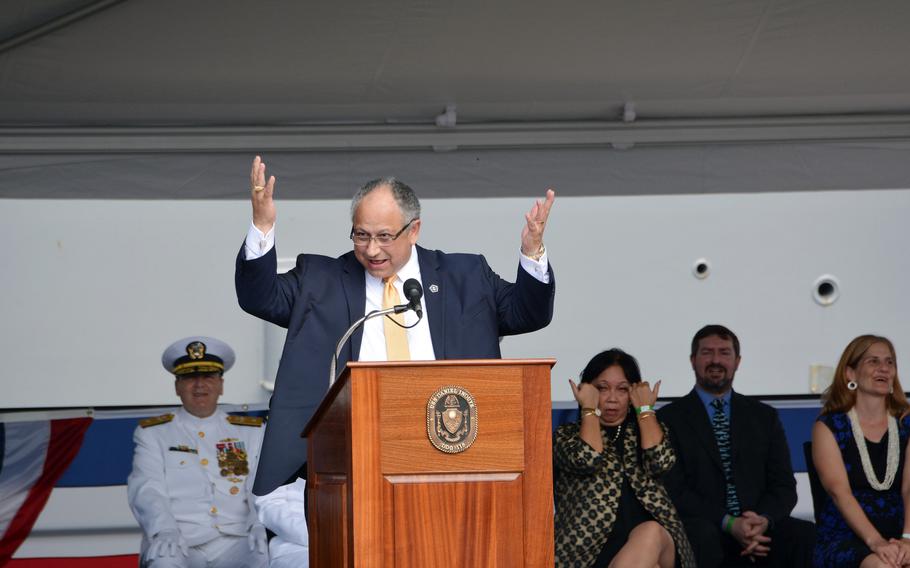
722 434
396 337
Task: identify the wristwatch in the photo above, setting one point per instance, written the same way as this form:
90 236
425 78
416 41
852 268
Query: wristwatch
590 411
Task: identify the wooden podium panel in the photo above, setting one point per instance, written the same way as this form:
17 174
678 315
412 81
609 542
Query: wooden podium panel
499 446
382 495
331 505
449 521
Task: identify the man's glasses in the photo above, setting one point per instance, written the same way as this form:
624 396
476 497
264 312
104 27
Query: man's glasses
363 238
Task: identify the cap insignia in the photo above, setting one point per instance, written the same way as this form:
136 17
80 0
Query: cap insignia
196 350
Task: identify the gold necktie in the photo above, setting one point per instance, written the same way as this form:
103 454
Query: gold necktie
396 338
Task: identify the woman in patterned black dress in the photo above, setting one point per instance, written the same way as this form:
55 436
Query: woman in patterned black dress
611 508
859 449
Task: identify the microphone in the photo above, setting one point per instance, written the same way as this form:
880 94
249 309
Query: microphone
413 292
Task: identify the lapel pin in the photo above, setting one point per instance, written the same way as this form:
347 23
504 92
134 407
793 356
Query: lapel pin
434 288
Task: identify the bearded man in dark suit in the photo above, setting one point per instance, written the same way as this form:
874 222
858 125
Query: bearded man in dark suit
467 306
732 483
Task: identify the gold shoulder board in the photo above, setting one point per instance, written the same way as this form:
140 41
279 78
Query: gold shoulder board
245 420
156 420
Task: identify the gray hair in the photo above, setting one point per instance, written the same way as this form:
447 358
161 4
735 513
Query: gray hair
404 196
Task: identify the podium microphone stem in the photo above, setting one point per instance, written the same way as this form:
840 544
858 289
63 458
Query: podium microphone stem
347 335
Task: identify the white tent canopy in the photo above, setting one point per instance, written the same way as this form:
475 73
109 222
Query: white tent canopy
145 62
345 91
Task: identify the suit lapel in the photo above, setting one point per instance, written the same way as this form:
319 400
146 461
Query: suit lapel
737 427
434 293
354 283
701 424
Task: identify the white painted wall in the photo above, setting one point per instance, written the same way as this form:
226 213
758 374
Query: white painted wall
92 291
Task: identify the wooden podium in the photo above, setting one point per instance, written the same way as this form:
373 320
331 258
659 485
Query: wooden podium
382 495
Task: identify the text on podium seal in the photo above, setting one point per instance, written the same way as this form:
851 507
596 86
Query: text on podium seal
451 419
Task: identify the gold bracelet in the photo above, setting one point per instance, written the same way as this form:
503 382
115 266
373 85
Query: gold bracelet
537 255
645 414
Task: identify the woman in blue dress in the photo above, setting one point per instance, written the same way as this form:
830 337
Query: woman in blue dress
859 447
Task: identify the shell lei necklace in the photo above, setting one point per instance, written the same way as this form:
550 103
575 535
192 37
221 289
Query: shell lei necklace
892 457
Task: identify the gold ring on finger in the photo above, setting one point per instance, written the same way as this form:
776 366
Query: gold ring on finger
258 187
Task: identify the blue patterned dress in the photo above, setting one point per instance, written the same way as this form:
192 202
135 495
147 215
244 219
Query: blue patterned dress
837 545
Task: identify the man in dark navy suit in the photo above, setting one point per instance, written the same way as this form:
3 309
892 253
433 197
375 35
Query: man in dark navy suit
732 483
467 306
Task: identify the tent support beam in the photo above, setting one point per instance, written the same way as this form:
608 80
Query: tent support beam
31 140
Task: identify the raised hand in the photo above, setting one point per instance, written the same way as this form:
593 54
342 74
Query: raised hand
261 192
585 394
536 222
641 394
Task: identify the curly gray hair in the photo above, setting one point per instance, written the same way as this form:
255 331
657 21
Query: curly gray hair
404 196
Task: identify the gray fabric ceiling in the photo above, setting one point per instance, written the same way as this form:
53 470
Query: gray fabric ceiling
290 61
114 64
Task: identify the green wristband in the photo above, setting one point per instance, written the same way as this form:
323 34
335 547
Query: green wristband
728 524
643 408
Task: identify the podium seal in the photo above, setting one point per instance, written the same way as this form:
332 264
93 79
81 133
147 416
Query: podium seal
451 419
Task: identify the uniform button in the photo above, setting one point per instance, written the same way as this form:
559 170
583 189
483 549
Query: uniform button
204 461
214 510
202 434
235 490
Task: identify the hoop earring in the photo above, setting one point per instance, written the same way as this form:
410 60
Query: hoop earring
851 385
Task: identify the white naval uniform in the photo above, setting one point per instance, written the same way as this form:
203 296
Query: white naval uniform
282 512
194 475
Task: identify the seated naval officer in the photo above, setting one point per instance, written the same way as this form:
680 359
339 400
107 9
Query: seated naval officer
193 469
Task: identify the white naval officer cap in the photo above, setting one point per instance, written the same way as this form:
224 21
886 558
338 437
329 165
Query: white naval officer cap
197 354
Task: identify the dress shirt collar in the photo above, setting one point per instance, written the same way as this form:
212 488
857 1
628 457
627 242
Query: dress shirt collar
420 342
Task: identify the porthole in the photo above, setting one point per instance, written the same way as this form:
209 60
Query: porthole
826 290
701 268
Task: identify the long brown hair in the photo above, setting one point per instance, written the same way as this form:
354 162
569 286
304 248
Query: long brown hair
838 398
